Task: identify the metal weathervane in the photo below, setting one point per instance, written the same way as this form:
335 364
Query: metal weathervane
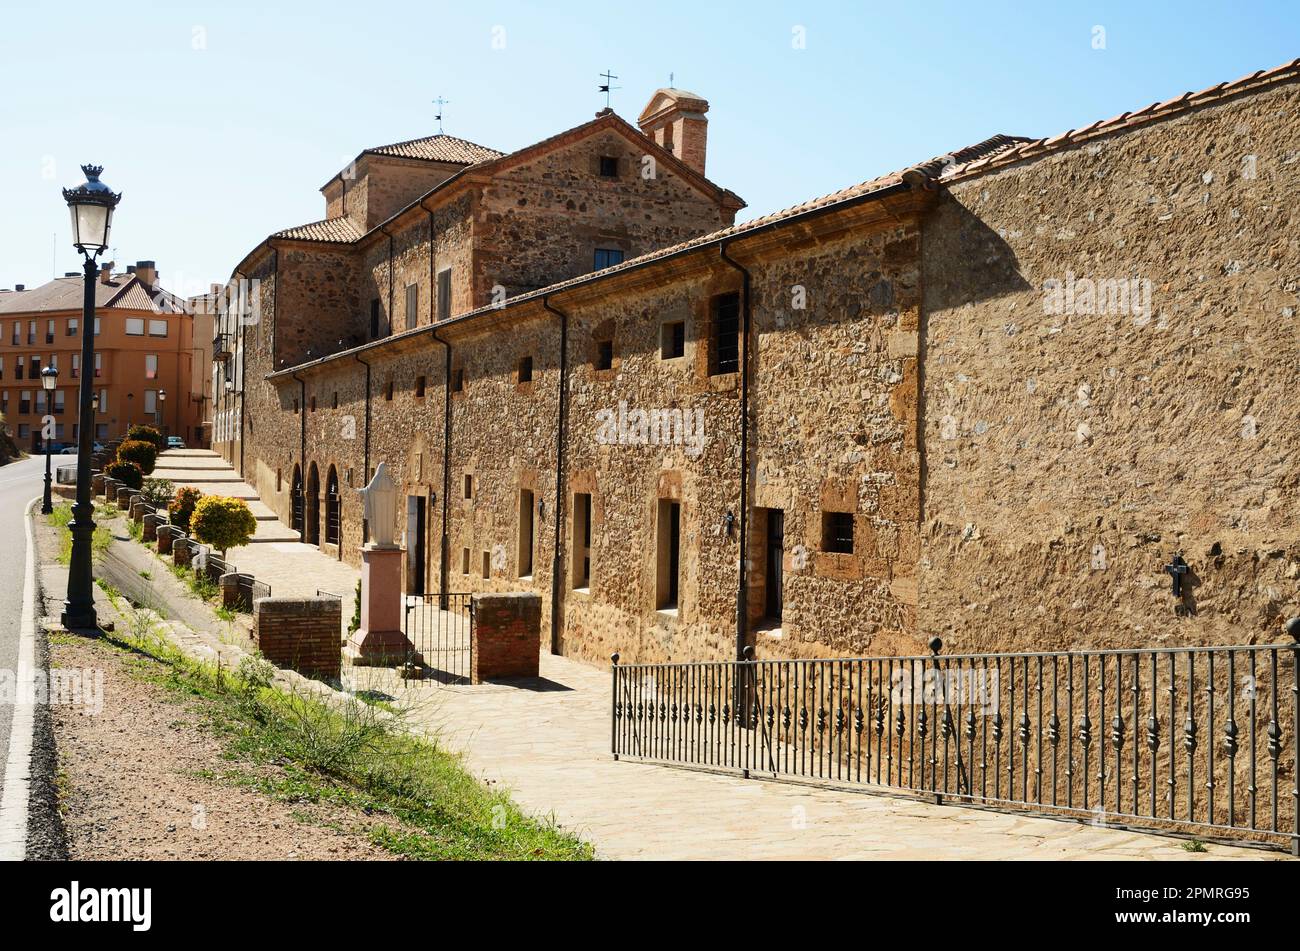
440 102
607 87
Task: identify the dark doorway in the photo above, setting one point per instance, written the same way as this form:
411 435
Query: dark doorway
313 506
415 543
775 555
333 506
295 502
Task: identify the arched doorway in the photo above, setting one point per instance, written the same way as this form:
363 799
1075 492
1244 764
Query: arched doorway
333 508
312 537
295 502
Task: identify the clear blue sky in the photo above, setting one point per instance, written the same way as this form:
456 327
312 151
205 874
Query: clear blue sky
220 120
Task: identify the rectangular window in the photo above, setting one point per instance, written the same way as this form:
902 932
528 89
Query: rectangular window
31 332
25 401
18 332
2 368
374 319
4 402
609 166
76 365
608 257
419 387
458 379
412 305
18 368
151 366
724 338
672 340
464 561
487 565
58 401
668 555
469 486
582 540
444 294
157 328
35 368
72 326
101 430
525 370
96 326
24 431
103 401
49 331
40 401
151 401
604 354
388 391
525 533
99 363
135 326
837 532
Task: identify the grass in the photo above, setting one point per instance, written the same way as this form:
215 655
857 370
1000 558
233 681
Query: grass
61 518
410 797
1194 845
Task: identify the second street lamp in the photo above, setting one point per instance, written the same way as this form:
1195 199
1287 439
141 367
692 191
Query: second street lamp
91 205
49 380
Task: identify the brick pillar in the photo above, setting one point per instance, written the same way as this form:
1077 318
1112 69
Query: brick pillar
507 637
149 527
166 534
110 489
230 593
182 550
97 483
137 508
300 633
124 496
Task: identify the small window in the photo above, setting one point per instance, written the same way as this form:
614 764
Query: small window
458 380
487 565
311 405
582 540
609 166
419 387
374 319
668 539
135 326
72 326
672 340
335 404
604 354
388 391
837 532
412 305
724 342
464 561
469 486
526 533
525 369
608 257
444 294
295 407
157 328
151 366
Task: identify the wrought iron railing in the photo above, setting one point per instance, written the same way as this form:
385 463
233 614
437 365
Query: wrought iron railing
440 629
1187 740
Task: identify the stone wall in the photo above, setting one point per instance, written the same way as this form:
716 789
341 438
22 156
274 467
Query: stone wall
300 633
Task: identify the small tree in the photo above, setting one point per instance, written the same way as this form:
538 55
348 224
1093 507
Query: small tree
158 492
222 522
182 507
127 473
147 434
143 454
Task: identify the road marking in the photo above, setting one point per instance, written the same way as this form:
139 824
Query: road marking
18 770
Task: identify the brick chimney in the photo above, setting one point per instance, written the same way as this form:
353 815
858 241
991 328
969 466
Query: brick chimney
675 120
146 272
105 272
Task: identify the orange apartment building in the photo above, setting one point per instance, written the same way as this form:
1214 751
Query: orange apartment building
151 355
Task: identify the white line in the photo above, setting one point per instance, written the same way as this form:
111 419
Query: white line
18 770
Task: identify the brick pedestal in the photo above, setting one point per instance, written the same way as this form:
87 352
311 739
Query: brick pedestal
166 534
149 527
300 633
379 642
124 496
182 551
507 636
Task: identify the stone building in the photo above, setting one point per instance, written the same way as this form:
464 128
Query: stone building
988 396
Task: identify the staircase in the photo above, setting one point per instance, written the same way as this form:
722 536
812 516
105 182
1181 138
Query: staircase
212 475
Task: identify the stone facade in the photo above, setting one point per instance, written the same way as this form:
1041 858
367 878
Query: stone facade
923 443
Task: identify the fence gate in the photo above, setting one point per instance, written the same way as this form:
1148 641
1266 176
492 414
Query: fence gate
1198 740
440 629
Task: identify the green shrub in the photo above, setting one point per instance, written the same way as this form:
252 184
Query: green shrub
158 492
222 522
143 454
127 473
147 434
356 610
182 507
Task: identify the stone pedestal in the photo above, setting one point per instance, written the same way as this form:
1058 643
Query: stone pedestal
379 642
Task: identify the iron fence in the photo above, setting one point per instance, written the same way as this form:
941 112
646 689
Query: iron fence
1187 740
440 629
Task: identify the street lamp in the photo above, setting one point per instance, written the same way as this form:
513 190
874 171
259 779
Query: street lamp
161 422
49 380
91 205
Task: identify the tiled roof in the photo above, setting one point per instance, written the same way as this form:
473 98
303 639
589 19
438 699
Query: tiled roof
1157 110
439 148
125 292
340 230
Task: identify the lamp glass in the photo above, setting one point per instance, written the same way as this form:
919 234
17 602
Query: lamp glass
49 378
91 222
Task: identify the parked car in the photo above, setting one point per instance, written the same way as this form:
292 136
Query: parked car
71 449
55 448
175 442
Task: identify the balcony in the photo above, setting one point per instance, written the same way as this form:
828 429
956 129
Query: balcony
220 349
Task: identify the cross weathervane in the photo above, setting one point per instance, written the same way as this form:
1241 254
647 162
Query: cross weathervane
440 102
607 87
1176 569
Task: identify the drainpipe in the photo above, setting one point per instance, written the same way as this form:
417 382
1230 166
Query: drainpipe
443 571
365 460
742 590
392 278
302 443
557 568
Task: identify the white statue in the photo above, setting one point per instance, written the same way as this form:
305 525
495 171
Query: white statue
380 498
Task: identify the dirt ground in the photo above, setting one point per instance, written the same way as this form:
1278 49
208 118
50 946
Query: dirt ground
133 781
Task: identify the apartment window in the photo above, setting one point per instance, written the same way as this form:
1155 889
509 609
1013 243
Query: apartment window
609 166
58 430
582 540
72 326
151 366
103 401
96 326
24 431
25 401
464 561
335 404
388 391
31 332
58 401
18 332
76 365
525 370
101 430
458 380
672 340
4 402
668 555
608 257
444 294
604 354
2 368
374 319
99 364
135 326
151 401
525 533
419 387
311 405
157 328
295 407
469 486
724 337
412 305
35 367
40 401
18 368
837 532
49 331
487 565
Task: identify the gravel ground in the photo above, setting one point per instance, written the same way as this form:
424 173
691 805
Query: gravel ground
132 781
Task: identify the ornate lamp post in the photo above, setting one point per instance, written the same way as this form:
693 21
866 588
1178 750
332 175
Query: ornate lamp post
49 380
162 416
91 205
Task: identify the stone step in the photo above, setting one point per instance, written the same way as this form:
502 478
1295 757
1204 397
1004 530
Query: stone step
273 532
234 490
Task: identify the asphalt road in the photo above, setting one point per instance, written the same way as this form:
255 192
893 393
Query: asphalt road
19 482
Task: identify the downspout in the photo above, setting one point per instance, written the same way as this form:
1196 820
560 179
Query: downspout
392 278
742 589
365 452
302 440
243 329
561 438
446 423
